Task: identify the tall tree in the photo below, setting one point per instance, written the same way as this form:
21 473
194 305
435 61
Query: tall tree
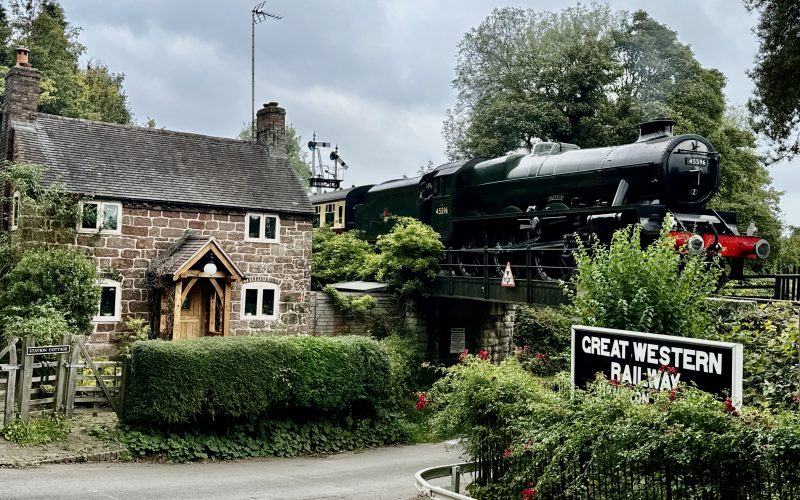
776 103
588 75
92 92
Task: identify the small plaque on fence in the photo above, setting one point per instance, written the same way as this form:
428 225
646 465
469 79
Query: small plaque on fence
48 349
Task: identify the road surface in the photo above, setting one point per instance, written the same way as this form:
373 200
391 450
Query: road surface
383 473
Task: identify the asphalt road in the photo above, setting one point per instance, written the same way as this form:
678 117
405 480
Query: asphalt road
383 473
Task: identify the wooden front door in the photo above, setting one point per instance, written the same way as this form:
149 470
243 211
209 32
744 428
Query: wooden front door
193 313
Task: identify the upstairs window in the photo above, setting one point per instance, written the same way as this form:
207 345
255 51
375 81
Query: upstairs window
101 216
15 209
261 227
110 300
260 301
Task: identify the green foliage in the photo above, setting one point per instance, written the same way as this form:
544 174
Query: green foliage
404 368
654 289
46 324
137 329
340 257
770 337
349 304
790 250
776 103
61 278
542 337
265 437
37 431
409 257
92 92
224 379
524 434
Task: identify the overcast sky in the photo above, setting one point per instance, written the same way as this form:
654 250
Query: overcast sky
371 76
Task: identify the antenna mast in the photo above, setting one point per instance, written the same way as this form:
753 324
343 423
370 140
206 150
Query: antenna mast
257 16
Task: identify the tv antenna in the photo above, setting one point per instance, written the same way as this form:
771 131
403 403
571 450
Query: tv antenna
258 16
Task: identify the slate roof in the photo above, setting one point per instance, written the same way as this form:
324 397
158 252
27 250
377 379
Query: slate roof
121 162
186 250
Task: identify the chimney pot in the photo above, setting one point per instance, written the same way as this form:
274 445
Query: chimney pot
22 57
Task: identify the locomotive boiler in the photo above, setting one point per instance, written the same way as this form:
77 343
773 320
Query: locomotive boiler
535 202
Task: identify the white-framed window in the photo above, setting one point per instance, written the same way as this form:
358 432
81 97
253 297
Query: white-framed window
260 301
262 227
108 310
100 216
15 209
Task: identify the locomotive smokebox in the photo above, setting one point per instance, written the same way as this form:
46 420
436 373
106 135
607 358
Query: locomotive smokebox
655 129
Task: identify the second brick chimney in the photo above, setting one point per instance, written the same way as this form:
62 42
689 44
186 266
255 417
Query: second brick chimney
271 129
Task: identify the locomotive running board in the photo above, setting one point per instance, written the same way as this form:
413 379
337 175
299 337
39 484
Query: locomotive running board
547 214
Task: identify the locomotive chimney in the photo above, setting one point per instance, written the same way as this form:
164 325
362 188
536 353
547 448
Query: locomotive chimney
655 129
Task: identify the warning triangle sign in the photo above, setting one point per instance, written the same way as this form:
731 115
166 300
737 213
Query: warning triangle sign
508 277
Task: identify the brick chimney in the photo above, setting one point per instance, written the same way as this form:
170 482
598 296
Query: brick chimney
21 97
271 129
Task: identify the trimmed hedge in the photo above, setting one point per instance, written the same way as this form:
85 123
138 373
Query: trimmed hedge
224 379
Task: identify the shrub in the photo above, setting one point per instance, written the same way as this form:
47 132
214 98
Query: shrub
404 368
409 257
61 278
542 337
46 324
137 329
349 304
225 379
654 289
340 257
770 339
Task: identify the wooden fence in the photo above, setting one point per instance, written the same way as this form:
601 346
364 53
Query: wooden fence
784 285
42 379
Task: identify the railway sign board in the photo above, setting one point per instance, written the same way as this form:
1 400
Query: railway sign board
656 361
47 349
508 277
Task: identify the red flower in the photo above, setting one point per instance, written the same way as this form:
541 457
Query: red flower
463 355
614 382
672 394
483 354
672 370
729 408
528 493
539 355
507 453
422 401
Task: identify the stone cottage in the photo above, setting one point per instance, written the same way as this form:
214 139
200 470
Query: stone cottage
197 235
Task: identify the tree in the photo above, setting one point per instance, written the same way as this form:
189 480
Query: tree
776 103
588 75
340 257
93 92
409 257
295 153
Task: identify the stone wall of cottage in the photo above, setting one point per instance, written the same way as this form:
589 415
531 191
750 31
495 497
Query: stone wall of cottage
150 230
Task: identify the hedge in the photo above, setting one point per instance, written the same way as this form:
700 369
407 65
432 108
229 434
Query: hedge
224 379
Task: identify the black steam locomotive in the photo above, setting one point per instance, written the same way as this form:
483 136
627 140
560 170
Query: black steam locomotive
532 203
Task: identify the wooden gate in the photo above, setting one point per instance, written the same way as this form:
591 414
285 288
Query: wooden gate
34 381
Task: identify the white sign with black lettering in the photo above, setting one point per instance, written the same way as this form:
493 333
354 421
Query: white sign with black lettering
457 340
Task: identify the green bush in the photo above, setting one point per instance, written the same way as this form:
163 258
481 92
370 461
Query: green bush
265 437
225 379
46 324
771 346
655 289
37 431
340 257
525 435
542 337
409 257
61 278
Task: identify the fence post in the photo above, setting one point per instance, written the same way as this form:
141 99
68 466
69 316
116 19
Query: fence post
74 357
11 381
122 381
455 479
61 374
24 393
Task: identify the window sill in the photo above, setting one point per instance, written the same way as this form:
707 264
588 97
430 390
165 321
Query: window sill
101 232
106 319
259 318
257 240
